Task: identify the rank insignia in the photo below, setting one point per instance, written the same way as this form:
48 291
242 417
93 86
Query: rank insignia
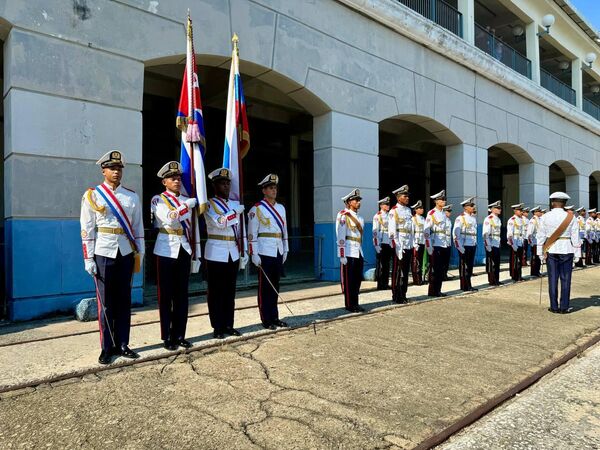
173 215
84 234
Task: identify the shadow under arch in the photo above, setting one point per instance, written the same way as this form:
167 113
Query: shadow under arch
518 153
594 189
441 132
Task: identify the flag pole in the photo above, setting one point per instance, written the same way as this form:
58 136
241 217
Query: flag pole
236 51
190 67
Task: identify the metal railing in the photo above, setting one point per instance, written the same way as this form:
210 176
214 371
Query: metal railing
557 87
591 108
438 11
503 52
303 264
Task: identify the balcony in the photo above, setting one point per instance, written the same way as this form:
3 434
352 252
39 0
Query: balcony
503 52
591 108
557 87
438 11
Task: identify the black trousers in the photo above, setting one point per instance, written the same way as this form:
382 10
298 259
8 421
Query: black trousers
516 260
596 253
437 264
587 249
400 276
382 270
447 253
536 264
465 267
113 293
267 297
525 250
351 278
492 266
172 277
221 279
417 265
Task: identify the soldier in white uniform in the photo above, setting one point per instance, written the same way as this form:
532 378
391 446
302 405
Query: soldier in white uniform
515 233
349 227
596 251
558 244
381 242
225 253
531 237
581 213
419 238
492 226
448 239
590 237
436 243
401 233
465 240
268 247
171 214
112 234
525 220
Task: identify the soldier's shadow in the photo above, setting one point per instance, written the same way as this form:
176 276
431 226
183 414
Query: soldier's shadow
585 302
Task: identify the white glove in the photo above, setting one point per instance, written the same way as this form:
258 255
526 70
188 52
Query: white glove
239 209
461 250
256 260
515 247
542 259
378 248
399 252
284 258
90 266
343 260
429 250
191 202
195 266
576 259
488 249
243 262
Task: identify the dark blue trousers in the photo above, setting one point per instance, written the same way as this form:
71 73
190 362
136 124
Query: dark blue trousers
400 275
559 267
437 263
351 278
172 276
221 279
113 292
465 267
267 297
492 266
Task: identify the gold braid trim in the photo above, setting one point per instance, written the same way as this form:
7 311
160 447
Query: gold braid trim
265 221
164 199
92 202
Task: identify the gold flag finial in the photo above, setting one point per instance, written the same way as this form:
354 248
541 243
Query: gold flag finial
189 23
235 39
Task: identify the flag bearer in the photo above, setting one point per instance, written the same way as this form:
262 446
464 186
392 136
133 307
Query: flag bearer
419 251
558 244
531 237
436 243
171 213
465 240
112 235
515 233
268 247
381 242
225 253
349 227
491 239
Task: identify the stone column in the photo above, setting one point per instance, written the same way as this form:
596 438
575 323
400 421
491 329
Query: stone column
467 9
345 157
533 49
534 184
577 81
59 118
578 188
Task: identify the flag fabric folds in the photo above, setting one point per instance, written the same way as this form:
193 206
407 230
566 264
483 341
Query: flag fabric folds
237 133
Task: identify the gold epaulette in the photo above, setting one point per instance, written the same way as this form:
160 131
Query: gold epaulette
92 202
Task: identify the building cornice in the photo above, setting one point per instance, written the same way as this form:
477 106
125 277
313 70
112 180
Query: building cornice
416 27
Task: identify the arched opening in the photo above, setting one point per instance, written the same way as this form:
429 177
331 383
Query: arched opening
280 119
594 182
558 173
503 174
412 150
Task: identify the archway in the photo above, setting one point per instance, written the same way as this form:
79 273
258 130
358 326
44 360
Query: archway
594 184
558 173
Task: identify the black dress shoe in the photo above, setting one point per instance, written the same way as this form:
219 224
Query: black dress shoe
269 326
169 345
280 323
359 309
232 332
184 343
473 289
218 334
126 352
554 311
566 311
441 294
105 357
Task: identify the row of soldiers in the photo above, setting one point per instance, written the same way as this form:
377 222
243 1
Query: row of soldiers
403 234
112 234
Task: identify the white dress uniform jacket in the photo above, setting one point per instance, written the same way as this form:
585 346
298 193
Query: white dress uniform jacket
223 229
532 230
401 228
447 232
349 236
590 229
264 235
168 220
380 228
97 221
597 229
515 231
435 229
465 231
419 226
568 241
582 228
491 231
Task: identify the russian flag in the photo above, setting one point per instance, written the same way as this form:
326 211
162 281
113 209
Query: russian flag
237 133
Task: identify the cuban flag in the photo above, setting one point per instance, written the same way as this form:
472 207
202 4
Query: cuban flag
190 122
237 133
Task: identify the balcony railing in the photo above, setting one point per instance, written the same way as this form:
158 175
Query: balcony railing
439 12
557 87
503 52
591 108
